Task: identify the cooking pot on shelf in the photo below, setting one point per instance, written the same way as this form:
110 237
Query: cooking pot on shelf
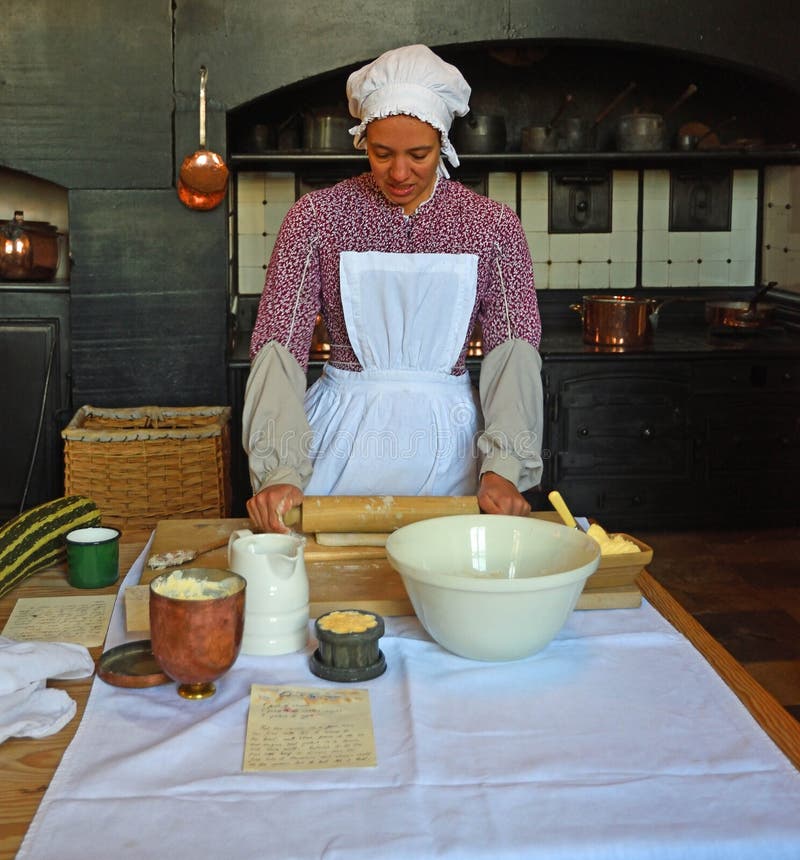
327 132
647 132
543 138
265 137
697 135
579 133
28 249
641 132
479 133
619 323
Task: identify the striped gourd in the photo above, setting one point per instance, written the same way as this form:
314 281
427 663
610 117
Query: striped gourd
35 538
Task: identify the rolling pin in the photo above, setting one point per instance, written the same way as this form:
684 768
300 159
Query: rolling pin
373 513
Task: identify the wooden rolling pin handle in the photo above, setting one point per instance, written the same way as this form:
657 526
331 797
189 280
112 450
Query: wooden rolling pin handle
374 513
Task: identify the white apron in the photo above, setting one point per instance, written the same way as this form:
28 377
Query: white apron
403 425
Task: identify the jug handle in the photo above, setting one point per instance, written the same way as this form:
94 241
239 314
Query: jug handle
235 535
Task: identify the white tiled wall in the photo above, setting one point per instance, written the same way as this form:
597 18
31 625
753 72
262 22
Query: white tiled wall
587 261
503 188
593 260
781 245
263 201
698 258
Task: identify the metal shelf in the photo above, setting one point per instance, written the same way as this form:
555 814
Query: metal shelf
750 157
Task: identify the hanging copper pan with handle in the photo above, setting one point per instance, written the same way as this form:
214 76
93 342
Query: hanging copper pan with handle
203 177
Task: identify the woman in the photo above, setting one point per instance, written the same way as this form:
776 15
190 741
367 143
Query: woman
401 262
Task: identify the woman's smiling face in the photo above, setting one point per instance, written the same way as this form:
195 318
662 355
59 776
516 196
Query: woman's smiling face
403 155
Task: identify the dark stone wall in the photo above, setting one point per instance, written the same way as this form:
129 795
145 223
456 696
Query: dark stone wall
101 97
148 299
87 100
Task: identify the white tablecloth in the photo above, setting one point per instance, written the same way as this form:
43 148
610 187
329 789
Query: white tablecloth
617 741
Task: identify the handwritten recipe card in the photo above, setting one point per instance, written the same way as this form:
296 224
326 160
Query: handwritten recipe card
308 728
83 620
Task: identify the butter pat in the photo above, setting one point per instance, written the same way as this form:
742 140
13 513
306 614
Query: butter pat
611 544
181 587
348 646
347 621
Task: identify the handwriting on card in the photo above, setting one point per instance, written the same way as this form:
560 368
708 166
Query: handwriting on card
83 620
308 728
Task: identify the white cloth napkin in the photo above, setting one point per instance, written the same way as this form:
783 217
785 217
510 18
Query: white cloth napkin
28 708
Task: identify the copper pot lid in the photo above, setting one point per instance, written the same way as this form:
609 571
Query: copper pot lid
132 664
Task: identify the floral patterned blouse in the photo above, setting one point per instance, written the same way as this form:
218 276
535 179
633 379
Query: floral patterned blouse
303 273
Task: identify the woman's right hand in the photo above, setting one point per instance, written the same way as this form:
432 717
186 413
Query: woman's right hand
268 507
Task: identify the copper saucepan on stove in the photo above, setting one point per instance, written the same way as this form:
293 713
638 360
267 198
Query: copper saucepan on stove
619 323
203 177
742 315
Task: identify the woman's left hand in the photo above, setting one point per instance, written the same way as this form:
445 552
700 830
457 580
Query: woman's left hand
496 495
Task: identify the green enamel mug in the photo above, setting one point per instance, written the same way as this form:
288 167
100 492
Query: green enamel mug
93 557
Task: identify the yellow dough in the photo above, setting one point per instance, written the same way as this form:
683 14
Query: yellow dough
611 544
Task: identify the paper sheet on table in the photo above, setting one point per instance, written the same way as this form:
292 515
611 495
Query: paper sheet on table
82 620
308 728
137 607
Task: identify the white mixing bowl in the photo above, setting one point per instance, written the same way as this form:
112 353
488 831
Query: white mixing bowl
492 587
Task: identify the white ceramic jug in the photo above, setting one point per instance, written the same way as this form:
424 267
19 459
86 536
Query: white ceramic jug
276 607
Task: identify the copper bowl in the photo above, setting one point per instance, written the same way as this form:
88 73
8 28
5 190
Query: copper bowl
196 626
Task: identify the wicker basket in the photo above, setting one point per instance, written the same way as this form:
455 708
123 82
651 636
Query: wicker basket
149 463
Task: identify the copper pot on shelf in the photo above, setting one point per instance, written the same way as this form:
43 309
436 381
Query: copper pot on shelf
28 249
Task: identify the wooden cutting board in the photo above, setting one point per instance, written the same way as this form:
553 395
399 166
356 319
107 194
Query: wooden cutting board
339 577
190 534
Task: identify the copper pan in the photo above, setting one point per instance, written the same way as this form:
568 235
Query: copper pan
742 315
203 177
619 323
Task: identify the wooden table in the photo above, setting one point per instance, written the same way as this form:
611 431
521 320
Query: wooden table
27 765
